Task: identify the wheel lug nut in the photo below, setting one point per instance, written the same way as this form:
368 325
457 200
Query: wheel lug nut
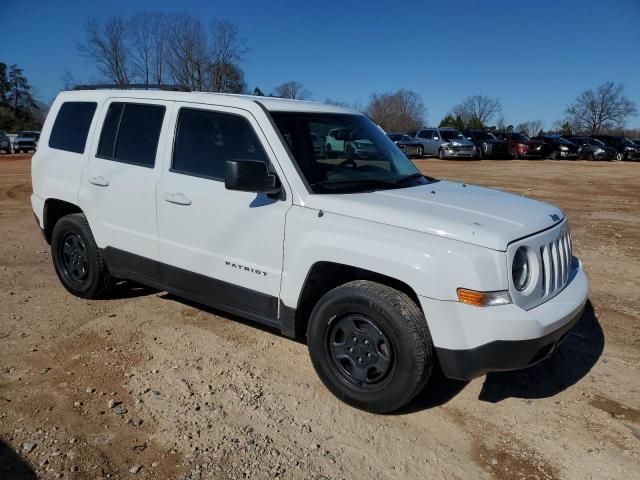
350 349
369 355
359 359
354 339
366 342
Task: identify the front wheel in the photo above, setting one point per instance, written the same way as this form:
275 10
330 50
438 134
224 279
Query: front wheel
77 259
370 345
619 156
419 152
514 154
554 155
441 154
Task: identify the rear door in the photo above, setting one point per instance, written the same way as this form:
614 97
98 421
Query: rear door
220 247
119 182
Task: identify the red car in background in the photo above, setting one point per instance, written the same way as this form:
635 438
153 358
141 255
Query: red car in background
521 146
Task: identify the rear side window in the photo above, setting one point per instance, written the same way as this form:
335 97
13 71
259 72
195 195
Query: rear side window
130 133
205 140
71 127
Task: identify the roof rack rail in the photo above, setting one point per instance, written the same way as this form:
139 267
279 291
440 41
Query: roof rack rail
134 86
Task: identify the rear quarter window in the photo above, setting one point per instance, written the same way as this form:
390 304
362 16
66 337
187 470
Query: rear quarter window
71 127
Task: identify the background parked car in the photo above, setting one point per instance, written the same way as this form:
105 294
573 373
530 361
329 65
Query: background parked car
26 141
5 143
625 148
487 145
556 147
410 146
592 148
521 146
445 143
340 141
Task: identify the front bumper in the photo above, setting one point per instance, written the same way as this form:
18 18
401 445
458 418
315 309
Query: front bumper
450 153
471 341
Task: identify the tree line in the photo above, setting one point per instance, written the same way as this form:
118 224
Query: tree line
154 48
18 108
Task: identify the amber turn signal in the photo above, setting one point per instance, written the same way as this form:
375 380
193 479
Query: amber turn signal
483 299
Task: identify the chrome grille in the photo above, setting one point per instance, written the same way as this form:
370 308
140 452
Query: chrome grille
556 263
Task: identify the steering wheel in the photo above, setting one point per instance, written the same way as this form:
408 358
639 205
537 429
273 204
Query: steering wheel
348 161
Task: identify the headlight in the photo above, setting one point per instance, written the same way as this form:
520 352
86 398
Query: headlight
520 270
563 148
599 150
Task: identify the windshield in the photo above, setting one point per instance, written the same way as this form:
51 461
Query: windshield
451 135
519 137
564 141
484 136
28 135
593 141
356 156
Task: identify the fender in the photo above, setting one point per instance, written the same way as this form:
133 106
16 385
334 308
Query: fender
432 266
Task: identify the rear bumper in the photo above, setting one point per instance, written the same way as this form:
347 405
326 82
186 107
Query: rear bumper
471 341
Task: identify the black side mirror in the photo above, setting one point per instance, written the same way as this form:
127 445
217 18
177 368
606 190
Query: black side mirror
250 176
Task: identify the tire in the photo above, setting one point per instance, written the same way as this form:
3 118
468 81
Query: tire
441 154
479 153
590 156
619 156
77 259
514 154
554 155
400 348
419 152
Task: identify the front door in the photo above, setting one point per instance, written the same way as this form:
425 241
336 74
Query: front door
219 247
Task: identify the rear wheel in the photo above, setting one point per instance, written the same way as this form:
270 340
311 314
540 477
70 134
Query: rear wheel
370 345
77 259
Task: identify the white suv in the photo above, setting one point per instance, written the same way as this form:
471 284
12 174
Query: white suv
224 200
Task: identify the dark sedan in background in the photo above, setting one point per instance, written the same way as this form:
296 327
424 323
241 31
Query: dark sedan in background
407 144
625 148
556 147
26 141
592 148
487 145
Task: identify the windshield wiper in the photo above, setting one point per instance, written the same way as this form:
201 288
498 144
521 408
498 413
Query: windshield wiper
392 182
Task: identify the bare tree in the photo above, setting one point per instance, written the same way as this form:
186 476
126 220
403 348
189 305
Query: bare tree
530 128
147 32
401 111
105 43
597 110
187 52
231 79
294 90
478 110
227 50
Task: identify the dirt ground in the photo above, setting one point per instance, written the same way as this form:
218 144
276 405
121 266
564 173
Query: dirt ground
205 395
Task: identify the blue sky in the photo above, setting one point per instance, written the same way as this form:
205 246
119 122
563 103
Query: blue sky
535 56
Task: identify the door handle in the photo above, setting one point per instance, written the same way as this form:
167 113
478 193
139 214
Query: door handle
177 199
99 181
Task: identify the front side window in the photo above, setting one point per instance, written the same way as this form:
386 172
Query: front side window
131 132
357 155
71 127
205 140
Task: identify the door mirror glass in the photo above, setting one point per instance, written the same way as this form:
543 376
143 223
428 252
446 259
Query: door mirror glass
250 176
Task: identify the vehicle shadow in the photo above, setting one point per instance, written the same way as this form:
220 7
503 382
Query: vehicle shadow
567 366
438 391
220 313
12 467
124 289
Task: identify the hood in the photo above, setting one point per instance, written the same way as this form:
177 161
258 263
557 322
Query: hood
477 215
